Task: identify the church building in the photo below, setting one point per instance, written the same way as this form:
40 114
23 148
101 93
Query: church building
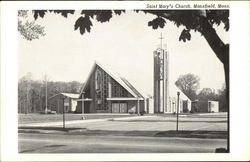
106 92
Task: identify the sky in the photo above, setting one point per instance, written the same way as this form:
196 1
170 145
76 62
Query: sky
125 43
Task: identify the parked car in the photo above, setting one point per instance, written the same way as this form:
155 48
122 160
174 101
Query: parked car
131 111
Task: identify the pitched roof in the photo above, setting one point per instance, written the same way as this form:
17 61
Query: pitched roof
131 86
121 80
69 95
173 89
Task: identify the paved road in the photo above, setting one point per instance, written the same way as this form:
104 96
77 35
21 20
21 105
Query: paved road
130 135
54 143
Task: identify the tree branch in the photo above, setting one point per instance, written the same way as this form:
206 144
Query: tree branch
220 49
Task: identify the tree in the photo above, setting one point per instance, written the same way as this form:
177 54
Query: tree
189 84
29 30
32 96
222 99
207 94
202 21
45 81
24 93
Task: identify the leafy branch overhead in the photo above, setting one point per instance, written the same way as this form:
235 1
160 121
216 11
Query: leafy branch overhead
41 13
190 19
185 35
85 24
157 22
28 29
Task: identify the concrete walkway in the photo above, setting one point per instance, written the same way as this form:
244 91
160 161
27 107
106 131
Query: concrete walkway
212 114
81 121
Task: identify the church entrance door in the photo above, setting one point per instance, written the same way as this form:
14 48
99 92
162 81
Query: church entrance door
123 107
119 108
115 107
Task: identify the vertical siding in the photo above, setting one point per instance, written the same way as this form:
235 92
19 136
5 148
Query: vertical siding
156 82
56 103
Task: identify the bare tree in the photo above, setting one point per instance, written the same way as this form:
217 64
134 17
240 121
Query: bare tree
24 95
189 84
45 84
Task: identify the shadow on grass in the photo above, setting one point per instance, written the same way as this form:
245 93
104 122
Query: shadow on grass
194 134
146 133
201 116
181 134
172 120
195 116
50 128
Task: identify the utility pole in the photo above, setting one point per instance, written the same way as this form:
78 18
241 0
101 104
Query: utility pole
46 95
83 106
46 107
82 103
63 114
178 94
27 97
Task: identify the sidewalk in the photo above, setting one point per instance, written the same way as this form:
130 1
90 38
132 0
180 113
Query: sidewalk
45 118
44 124
216 113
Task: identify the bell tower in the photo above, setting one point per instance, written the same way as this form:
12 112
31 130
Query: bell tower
161 85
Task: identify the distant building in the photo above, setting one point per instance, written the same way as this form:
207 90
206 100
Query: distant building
106 92
68 100
184 101
205 106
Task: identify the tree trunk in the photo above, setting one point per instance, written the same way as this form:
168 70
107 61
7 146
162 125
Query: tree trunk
221 50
